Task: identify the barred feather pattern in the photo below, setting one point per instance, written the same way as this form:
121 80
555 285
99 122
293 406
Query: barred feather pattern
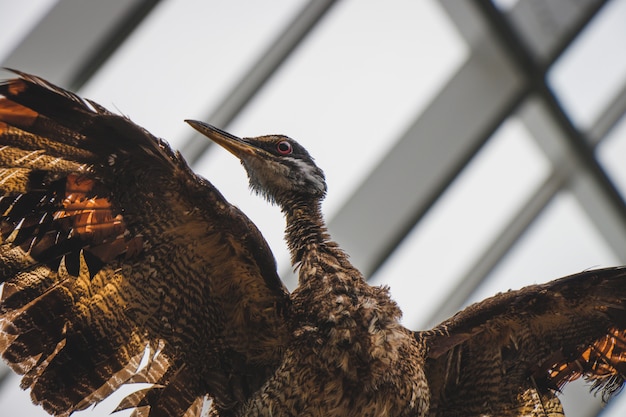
111 251
515 351
121 266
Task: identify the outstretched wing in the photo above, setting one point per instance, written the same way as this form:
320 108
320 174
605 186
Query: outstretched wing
510 354
113 251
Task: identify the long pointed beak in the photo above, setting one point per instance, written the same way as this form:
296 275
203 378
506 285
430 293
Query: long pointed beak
231 143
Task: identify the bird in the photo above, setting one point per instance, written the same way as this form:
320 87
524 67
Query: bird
120 265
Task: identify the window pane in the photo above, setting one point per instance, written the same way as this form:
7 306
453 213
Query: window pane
589 73
458 228
560 242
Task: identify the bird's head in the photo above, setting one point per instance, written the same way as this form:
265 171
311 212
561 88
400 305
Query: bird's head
278 167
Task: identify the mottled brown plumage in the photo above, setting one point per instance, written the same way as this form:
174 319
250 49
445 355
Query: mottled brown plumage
112 250
111 244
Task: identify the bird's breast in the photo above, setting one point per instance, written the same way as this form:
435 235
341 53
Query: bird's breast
353 349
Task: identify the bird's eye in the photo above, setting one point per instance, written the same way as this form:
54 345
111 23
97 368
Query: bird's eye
284 148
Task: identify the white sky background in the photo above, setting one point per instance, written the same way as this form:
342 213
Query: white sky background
347 94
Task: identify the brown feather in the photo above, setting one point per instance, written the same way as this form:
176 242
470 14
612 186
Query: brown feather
540 338
121 266
111 244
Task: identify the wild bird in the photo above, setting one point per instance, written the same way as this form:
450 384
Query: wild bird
120 265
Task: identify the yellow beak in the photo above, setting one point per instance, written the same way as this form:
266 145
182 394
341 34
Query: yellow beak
237 146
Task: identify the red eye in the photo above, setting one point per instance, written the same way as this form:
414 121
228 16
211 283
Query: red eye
284 148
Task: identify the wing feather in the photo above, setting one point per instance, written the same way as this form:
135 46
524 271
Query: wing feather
527 344
111 248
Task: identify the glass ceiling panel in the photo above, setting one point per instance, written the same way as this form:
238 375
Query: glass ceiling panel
589 73
185 56
462 223
18 19
561 241
347 94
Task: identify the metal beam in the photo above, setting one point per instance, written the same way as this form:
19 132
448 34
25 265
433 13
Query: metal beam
609 117
76 37
546 28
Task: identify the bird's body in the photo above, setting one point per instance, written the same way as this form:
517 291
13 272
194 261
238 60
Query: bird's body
348 355
112 251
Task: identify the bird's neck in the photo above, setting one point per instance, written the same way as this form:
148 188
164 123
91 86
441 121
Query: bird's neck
309 242
351 328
